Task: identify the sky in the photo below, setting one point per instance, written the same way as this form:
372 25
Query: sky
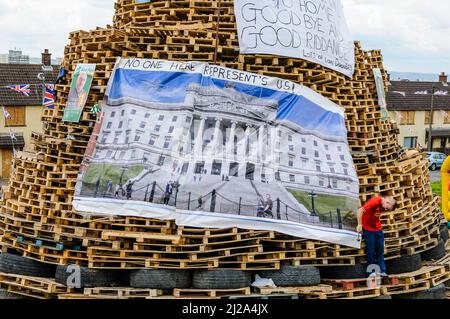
412 34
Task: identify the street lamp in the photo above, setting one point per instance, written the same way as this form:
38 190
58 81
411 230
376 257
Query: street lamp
124 169
430 133
313 196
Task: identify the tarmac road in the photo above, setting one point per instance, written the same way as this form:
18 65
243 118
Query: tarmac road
435 176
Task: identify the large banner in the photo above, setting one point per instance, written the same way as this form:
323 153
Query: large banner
214 147
314 30
79 92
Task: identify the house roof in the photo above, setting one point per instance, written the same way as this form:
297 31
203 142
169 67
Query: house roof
14 74
404 96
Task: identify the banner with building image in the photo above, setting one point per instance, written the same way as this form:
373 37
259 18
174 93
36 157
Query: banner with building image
213 147
79 92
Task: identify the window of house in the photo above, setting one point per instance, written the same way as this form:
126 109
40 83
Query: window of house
167 142
335 183
113 114
342 157
133 154
292 178
307 180
427 117
18 116
316 154
291 148
345 171
171 129
133 112
316 144
321 182
122 155
328 157
147 115
161 118
303 150
123 113
152 140
318 167
188 119
339 148
303 140
157 128
290 138
291 162
410 142
137 138
446 117
109 125
120 124
143 125
175 118
109 154
161 160
408 117
332 170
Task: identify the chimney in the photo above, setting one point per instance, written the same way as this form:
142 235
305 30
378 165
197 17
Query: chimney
46 58
443 78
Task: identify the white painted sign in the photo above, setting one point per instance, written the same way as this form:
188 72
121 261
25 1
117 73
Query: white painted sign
314 30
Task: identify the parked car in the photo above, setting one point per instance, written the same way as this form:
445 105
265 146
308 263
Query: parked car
436 160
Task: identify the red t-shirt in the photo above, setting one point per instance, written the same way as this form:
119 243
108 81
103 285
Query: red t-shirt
371 217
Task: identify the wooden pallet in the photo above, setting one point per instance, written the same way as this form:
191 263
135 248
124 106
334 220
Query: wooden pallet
34 287
222 293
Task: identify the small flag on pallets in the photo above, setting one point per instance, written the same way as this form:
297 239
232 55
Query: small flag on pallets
49 97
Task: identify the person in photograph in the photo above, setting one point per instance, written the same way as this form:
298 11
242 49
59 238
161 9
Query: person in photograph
267 209
129 189
168 193
77 97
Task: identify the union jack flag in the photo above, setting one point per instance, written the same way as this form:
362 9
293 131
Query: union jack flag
49 97
24 89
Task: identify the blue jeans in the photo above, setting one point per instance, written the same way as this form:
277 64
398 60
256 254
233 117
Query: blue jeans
375 249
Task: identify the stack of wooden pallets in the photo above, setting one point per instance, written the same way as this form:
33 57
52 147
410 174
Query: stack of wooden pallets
38 221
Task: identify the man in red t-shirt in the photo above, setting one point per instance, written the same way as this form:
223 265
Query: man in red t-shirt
370 225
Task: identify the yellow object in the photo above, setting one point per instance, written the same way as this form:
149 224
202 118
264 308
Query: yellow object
445 171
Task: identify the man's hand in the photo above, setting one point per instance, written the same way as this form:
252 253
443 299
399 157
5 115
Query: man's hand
359 229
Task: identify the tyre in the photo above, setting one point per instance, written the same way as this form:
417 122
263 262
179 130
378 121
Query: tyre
18 265
435 253
160 279
221 279
404 264
437 292
91 278
444 232
6 295
294 276
358 271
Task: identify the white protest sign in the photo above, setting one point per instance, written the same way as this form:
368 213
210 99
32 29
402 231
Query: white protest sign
314 30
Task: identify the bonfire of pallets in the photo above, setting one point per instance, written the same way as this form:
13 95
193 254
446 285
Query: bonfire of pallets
37 219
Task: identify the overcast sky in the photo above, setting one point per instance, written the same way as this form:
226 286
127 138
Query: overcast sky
413 34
